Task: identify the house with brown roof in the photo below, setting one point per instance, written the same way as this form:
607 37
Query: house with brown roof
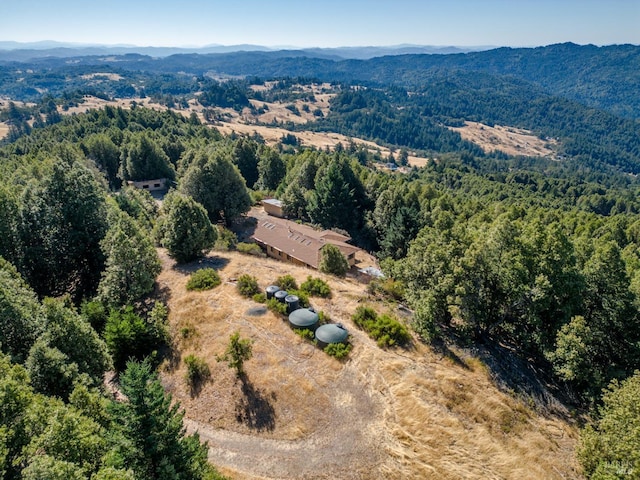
299 244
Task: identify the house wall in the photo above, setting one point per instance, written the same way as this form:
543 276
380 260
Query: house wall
273 210
150 185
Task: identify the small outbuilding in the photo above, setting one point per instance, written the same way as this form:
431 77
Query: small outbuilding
331 333
304 318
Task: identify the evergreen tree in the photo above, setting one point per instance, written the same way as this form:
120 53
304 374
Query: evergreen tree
143 159
155 446
214 182
186 230
245 157
132 262
271 170
21 316
63 220
331 204
333 261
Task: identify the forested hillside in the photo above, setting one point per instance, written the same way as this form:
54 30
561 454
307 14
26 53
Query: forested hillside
538 256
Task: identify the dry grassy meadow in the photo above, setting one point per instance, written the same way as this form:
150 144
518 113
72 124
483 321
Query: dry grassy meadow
398 413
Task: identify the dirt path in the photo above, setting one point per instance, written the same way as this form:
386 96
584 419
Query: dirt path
346 444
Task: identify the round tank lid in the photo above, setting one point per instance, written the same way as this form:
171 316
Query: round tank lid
332 333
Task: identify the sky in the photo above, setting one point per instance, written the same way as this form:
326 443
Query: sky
322 23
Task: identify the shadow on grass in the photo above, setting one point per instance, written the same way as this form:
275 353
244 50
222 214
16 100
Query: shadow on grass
255 408
210 261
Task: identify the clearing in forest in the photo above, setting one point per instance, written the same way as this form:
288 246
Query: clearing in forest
407 413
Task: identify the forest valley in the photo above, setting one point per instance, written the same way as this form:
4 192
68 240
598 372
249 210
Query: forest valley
490 252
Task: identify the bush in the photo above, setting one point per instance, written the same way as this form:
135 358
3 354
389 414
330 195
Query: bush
323 318
387 331
386 287
250 249
305 333
248 285
203 279
277 307
227 240
338 350
287 282
316 287
260 298
197 371
302 297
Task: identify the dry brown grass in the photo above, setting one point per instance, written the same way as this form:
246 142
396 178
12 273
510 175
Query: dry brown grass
381 414
4 130
510 140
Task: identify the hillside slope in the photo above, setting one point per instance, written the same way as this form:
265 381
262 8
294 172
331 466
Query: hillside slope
399 413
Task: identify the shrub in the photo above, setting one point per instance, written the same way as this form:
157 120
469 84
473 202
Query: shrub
248 285
387 331
227 240
386 287
338 350
287 282
302 297
305 333
203 279
316 287
277 307
364 315
188 332
250 249
197 371
323 317
260 298
238 351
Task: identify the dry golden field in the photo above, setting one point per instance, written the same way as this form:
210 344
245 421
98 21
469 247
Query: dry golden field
400 413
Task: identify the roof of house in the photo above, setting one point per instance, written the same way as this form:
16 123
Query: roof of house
273 201
299 241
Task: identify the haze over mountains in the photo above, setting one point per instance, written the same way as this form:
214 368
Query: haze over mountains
17 51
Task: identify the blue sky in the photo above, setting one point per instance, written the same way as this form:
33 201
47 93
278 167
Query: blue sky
324 23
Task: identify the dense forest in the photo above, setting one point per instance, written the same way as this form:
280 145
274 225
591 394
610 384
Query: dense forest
538 255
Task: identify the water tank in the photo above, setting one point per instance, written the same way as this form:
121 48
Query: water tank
271 291
293 303
280 295
331 333
303 318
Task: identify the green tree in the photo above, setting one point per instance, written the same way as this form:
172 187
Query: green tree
9 221
214 182
187 232
271 170
245 157
128 336
63 220
238 351
143 159
132 262
610 448
21 316
155 446
68 348
106 155
333 261
338 198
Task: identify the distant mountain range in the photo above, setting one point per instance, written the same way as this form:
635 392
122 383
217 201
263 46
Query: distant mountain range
21 52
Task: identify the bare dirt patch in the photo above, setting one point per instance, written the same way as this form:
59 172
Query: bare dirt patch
403 413
106 75
510 140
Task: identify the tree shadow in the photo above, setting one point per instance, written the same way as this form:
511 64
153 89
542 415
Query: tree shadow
209 261
255 408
